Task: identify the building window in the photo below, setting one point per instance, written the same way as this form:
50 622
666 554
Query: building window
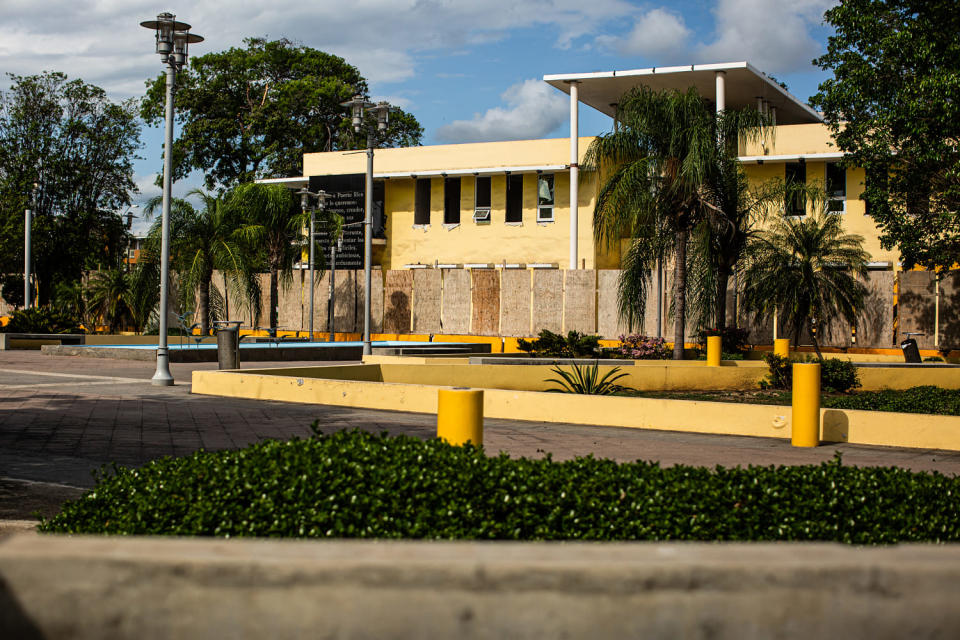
451 201
876 181
481 200
545 197
515 197
421 206
836 188
796 173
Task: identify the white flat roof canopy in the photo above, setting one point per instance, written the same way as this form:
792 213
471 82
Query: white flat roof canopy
744 84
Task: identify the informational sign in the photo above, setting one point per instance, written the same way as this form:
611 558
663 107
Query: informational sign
345 196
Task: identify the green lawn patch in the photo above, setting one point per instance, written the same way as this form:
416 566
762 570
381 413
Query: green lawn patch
928 399
354 484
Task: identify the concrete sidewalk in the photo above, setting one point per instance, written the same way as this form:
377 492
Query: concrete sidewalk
61 418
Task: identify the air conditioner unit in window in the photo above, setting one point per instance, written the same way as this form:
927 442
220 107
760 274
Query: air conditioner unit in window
481 215
545 214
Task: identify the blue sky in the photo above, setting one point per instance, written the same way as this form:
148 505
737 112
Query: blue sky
469 70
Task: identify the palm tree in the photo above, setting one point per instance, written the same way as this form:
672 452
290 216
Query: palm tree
109 292
274 222
805 269
203 241
659 175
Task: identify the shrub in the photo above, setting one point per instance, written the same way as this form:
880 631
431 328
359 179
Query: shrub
554 345
732 339
641 347
838 375
926 399
360 485
779 372
586 380
41 320
835 375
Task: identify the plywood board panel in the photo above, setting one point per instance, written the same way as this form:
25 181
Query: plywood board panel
321 299
515 297
486 302
609 324
397 289
875 322
580 300
376 300
455 302
949 325
345 301
547 300
426 300
291 304
916 307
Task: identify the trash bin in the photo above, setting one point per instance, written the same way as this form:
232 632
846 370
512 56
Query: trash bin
228 344
911 353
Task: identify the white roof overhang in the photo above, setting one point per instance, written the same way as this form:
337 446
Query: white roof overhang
744 84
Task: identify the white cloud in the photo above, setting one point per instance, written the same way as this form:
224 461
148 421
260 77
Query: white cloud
533 110
659 34
101 40
772 34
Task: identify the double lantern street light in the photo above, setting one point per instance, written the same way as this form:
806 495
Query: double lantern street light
173 41
381 111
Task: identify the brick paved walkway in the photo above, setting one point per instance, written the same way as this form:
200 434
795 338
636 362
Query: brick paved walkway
62 417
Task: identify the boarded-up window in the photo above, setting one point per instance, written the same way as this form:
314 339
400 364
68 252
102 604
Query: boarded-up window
451 201
421 211
515 197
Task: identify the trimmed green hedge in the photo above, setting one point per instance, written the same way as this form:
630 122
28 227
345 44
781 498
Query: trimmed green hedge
928 399
354 484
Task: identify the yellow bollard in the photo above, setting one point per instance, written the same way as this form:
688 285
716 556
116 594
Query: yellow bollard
805 428
460 415
714 350
781 347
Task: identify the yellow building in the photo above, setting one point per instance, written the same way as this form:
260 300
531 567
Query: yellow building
507 204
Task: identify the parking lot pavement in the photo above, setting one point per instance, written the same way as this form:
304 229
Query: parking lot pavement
63 417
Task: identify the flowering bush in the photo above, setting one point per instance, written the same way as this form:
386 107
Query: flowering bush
641 347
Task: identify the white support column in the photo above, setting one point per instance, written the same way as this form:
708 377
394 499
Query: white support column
574 172
721 91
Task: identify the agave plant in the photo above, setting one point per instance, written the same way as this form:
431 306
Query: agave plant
586 380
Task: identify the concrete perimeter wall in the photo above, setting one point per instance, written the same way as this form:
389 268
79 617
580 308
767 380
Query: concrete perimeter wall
521 302
112 587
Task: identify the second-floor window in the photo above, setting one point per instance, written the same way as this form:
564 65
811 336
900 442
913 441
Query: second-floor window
796 204
836 188
421 205
515 197
481 199
451 201
545 195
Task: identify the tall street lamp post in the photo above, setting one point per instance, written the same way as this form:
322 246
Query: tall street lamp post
358 106
28 246
305 197
173 40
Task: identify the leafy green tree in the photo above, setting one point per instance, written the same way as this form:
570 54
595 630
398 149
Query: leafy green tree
664 172
110 297
78 148
805 270
246 113
205 240
894 106
273 221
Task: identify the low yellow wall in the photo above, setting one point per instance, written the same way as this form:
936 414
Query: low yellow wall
860 427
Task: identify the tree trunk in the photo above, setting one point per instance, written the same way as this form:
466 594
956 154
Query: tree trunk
203 302
816 343
274 297
680 295
723 278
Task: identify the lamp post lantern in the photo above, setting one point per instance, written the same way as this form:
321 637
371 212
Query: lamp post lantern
173 41
321 197
381 111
